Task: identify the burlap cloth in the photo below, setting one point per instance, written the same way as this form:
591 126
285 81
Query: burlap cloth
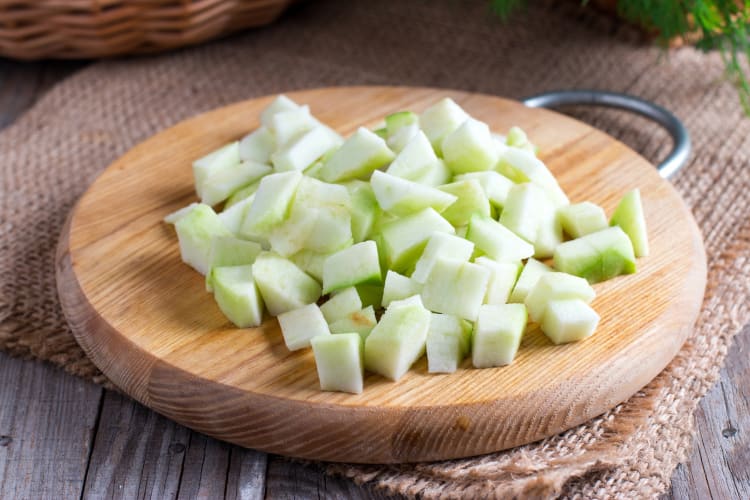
50 155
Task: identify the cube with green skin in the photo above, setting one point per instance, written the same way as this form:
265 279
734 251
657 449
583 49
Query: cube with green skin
502 279
321 230
403 197
279 104
550 232
364 209
556 286
521 166
517 138
497 334
414 159
339 361
224 158
395 121
469 148
300 325
496 240
341 304
441 245
398 340
580 219
404 239
271 203
371 295
471 201
237 295
306 149
495 185
358 157
361 322
597 256
283 285
221 184
398 287
195 231
230 251
316 193
568 320
448 343
629 216
441 119
358 264
456 287
257 146
530 274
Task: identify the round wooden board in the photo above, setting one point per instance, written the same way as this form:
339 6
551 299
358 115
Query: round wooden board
147 322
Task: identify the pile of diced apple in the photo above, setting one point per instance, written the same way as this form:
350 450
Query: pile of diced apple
427 235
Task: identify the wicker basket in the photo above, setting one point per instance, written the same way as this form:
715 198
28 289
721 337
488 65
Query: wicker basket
35 29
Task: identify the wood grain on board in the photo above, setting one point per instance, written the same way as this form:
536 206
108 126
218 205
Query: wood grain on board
146 321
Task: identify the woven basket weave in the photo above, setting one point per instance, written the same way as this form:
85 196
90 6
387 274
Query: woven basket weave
35 29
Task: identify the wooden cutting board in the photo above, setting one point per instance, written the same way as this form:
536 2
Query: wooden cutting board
147 322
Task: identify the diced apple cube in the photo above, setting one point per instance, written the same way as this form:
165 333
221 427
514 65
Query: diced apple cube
364 209
398 340
405 238
496 240
403 197
471 201
448 343
352 266
456 287
530 274
359 156
306 149
398 287
414 159
230 251
441 245
520 165
236 293
469 148
281 103
286 126
311 262
221 184
502 279
556 286
361 322
441 119
597 256
300 325
343 303
283 285
497 334
581 219
271 203
523 210
195 231
629 216
569 320
257 146
495 185
339 361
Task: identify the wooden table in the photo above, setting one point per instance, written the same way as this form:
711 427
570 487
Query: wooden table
62 437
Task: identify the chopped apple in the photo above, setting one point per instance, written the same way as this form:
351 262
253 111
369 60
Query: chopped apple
456 287
497 334
283 285
629 216
299 326
237 295
339 361
448 343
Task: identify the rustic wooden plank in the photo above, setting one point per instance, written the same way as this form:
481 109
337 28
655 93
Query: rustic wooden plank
719 466
289 480
246 479
140 454
136 453
47 422
22 83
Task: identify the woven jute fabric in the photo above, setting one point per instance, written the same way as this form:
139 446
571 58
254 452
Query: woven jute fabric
50 155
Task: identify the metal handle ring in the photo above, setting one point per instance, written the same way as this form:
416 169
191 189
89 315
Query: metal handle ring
680 137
